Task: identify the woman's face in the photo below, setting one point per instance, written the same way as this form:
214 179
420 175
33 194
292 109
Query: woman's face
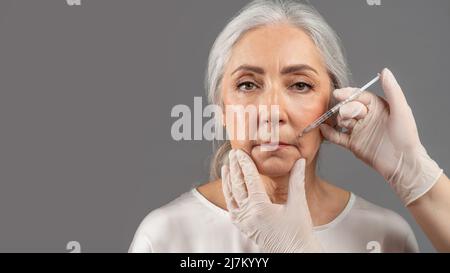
278 65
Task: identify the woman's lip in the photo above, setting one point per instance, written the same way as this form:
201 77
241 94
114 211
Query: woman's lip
273 145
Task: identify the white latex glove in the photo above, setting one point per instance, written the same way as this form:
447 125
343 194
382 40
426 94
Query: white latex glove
383 134
273 227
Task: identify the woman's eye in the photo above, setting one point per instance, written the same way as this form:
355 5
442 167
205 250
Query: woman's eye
246 86
302 87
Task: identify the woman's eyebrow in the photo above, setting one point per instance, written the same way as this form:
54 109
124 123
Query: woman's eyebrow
256 69
285 70
297 68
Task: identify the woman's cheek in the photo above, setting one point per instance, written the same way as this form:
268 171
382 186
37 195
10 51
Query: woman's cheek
241 144
308 112
238 131
310 144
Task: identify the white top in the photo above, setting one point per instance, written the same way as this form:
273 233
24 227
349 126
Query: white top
191 223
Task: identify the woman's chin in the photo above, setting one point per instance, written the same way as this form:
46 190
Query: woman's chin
275 163
274 167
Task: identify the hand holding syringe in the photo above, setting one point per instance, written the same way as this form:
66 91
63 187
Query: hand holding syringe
336 108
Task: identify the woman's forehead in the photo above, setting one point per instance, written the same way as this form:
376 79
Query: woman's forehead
274 47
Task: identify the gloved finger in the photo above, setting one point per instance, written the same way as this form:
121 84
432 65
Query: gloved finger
334 136
346 123
238 188
296 192
394 94
353 109
226 188
342 94
252 178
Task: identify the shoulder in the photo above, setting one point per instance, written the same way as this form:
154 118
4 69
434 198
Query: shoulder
181 208
376 213
388 224
165 221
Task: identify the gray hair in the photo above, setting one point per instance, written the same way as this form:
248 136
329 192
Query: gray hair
265 12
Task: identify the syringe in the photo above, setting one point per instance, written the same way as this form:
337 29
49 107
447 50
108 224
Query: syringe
335 108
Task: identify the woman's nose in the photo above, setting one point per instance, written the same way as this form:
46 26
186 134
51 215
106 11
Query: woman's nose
275 102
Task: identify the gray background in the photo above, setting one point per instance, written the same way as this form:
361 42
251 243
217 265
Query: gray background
86 93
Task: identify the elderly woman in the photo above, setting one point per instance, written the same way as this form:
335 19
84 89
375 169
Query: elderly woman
275 53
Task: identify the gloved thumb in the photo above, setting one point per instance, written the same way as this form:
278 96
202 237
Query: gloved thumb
296 192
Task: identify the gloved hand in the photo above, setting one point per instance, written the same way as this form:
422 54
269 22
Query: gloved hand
383 134
273 227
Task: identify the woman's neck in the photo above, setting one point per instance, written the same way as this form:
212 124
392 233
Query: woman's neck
277 188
